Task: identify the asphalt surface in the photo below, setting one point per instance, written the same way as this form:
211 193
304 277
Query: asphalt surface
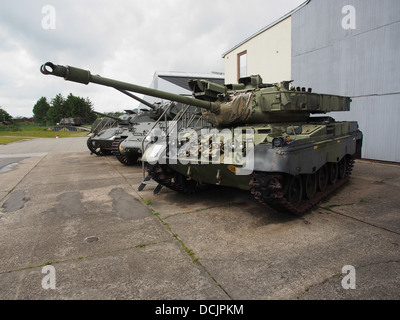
75 226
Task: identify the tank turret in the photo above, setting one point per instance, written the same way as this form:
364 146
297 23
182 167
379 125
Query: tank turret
248 102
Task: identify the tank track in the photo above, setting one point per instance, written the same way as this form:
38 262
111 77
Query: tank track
271 191
173 180
128 161
96 151
268 189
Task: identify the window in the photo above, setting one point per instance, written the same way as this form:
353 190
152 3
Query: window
242 64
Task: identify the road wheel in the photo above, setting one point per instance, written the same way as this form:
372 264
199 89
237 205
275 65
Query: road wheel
323 178
342 166
333 172
310 185
295 190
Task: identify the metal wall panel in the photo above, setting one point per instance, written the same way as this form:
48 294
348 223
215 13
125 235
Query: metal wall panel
379 118
363 63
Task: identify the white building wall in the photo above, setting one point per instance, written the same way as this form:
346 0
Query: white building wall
268 54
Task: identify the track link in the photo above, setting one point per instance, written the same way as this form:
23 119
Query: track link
127 161
271 191
96 151
268 189
173 180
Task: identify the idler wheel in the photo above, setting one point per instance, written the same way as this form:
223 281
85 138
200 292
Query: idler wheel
333 172
92 148
342 166
295 190
323 178
310 185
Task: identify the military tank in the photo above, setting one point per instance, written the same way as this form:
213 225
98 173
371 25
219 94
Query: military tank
138 126
129 149
273 140
132 123
105 130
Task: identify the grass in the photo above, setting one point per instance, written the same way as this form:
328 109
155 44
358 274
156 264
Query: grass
5 140
25 131
43 134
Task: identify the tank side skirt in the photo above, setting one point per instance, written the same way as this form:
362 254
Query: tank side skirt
305 159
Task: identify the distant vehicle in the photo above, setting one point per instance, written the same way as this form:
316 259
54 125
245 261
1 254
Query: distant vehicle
71 121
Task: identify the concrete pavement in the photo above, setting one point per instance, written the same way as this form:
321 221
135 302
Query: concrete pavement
82 215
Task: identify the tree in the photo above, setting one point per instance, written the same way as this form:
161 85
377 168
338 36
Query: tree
89 116
55 113
71 107
78 107
59 108
40 110
4 116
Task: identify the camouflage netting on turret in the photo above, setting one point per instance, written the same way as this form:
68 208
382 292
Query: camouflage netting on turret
237 110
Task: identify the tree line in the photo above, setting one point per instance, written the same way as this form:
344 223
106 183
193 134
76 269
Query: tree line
59 107
4 116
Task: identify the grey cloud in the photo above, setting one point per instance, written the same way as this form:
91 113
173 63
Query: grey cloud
124 39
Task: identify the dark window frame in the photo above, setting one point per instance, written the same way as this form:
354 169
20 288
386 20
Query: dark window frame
239 55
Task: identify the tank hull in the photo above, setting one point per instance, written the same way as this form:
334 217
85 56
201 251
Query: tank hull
316 162
101 143
129 149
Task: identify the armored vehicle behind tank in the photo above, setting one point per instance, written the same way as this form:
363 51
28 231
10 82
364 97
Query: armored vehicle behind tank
267 140
129 149
105 130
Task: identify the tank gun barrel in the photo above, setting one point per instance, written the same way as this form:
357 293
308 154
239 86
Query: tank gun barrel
248 102
85 77
108 116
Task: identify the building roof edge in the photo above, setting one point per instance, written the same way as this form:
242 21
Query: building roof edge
267 27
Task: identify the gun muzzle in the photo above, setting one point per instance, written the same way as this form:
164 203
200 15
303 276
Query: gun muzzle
68 72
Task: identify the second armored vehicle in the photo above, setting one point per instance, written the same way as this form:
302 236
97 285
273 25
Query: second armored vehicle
105 130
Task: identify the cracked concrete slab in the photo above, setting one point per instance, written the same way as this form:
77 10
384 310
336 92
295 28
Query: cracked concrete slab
7 164
128 207
369 281
372 198
254 253
157 271
15 201
106 240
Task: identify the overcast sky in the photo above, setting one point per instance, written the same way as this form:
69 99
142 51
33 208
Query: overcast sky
125 40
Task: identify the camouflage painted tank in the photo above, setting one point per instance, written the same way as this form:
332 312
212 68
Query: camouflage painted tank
266 140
